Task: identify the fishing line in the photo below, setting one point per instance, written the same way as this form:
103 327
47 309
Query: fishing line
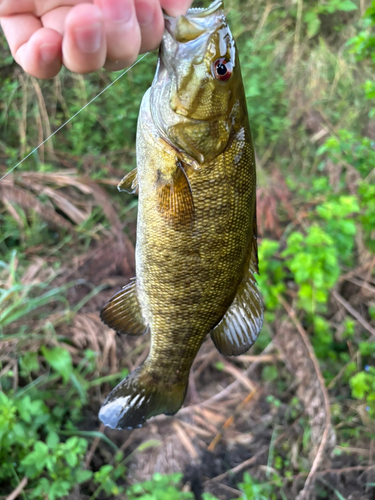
74 116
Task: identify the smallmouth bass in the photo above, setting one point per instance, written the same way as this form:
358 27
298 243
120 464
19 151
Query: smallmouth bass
196 251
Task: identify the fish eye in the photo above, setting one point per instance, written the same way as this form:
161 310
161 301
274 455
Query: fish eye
222 69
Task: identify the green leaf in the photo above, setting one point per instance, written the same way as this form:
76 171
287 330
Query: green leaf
29 363
270 373
71 459
83 475
151 443
92 434
347 6
313 27
60 360
52 440
360 385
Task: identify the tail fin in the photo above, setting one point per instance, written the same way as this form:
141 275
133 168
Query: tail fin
138 397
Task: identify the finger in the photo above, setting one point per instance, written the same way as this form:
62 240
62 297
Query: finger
10 7
151 23
36 49
56 19
122 32
36 7
84 45
176 7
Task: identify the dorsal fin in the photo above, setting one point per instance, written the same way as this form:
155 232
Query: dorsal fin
123 312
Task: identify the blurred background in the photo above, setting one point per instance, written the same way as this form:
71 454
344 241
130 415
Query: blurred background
292 418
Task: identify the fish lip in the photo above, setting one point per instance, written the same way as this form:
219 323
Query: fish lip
202 19
202 23
185 38
202 12
177 35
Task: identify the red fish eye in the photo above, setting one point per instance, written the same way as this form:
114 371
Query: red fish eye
223 69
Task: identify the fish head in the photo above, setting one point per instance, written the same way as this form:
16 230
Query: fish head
197 92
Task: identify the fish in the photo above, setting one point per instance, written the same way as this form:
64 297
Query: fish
196 247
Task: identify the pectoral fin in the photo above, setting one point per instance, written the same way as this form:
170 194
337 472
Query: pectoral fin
241 324
175 199
123 312
129 183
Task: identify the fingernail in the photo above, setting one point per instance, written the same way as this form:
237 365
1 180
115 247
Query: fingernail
119 11
89 39
145 13
49 52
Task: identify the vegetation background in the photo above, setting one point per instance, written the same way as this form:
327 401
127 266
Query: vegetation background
294 417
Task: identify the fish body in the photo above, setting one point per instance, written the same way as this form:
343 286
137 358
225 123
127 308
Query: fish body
196 251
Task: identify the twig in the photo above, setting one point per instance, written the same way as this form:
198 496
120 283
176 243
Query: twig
250 461
197 431
206 361
345 470
368 266
128 441
229 389
94 446
362 284
342 371
359 451
185 440
231 490
298 30
264 18
15 375
204 423
241 466
239 375
266 358
354 313
231 418
319 456
18 490
6 369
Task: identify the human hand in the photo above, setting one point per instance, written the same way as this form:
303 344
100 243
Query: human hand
83 35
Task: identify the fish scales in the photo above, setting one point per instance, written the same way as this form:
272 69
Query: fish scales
196 232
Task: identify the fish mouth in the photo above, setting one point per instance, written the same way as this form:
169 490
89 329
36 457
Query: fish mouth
201 12
186 38
195 23
182 56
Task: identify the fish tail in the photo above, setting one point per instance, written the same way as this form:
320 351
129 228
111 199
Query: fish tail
141 395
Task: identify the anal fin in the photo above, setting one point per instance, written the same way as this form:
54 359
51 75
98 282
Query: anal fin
129 183
241 324
123 312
